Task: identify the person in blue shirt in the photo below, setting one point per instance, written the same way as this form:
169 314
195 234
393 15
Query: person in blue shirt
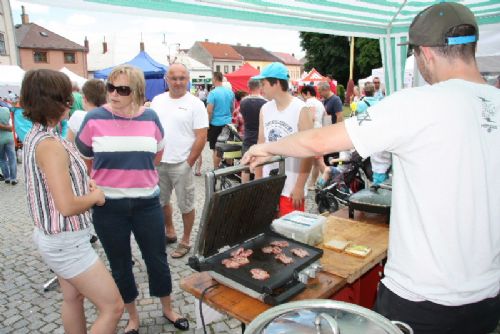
220 106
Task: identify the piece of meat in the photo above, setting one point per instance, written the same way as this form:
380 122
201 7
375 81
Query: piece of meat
230 263
237 252
267 249
300 252
241 260
246 253
277 250
280 243
283 258
259 274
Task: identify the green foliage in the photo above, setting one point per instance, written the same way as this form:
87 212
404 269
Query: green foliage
341 92
329 54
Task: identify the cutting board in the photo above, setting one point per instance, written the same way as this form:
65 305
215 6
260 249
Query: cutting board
375 236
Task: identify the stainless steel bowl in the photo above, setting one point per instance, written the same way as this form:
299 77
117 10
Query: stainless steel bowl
323 316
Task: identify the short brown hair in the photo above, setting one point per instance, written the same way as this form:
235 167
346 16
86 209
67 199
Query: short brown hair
217 76
369 89
94 91
136 81
45 95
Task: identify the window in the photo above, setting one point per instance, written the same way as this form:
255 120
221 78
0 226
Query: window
40 56
226 69
234 68
217 68
69 58
3 50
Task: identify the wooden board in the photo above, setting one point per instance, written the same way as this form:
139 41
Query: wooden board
375 236
245 308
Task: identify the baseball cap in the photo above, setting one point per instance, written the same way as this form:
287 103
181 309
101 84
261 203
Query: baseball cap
274 70
430 26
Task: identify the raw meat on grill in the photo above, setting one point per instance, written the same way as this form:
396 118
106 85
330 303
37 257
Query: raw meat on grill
230 263
300 252
259 274
267 249
283 258
241 260
272 249
242 252
280 243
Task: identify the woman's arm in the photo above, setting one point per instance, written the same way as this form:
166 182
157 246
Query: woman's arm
54 161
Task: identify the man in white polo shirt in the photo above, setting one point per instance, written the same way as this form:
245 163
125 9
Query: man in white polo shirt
185 121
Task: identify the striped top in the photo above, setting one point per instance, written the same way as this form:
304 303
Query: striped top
123 151
40 200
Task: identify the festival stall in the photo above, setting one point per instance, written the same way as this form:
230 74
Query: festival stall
10 79
153 73
73 76
239 79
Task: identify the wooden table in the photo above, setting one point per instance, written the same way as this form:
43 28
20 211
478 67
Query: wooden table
327 283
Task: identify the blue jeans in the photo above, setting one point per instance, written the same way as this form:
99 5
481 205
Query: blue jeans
114 222
8 162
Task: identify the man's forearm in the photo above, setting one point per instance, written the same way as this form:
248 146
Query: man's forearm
313 142
340 116
4 127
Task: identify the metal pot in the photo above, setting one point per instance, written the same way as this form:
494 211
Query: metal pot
323 316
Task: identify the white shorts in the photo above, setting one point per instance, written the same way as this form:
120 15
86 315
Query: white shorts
68 254
178 177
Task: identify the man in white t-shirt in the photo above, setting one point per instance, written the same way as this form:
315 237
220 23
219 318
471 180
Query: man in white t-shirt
185 121
282 116
443 266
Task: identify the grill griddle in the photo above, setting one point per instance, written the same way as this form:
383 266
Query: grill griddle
280 273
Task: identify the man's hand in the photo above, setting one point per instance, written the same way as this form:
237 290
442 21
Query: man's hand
255 156
297 196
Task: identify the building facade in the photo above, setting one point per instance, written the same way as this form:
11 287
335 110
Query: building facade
8 54
218 56
41 48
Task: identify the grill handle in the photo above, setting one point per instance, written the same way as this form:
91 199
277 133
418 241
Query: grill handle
236 169
287 294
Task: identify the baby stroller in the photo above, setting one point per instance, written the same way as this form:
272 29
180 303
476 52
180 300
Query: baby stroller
341 186
229 148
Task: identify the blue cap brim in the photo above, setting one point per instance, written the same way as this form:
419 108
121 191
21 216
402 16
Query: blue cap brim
258 77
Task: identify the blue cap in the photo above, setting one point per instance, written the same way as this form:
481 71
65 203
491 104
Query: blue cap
274 70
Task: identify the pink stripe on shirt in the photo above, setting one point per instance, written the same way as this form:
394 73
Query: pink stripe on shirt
126 178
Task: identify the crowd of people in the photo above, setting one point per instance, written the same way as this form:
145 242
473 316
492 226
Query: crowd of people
104 157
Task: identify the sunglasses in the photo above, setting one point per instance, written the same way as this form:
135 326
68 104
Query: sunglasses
121 90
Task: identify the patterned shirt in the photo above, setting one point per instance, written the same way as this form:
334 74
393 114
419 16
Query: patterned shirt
40 200
123 151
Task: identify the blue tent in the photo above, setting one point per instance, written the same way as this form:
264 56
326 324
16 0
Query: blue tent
153 73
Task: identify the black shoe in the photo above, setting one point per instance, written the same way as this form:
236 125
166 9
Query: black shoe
7 181
181 323
14 182
1 177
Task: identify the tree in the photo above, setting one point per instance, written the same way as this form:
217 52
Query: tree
329 54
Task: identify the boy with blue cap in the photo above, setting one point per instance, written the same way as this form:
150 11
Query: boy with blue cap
282 116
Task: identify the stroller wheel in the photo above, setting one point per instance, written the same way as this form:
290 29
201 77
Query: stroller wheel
326 202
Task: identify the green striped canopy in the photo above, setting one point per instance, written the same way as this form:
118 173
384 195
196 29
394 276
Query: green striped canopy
387 20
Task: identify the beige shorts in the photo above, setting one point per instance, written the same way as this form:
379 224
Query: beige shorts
68 254
178 177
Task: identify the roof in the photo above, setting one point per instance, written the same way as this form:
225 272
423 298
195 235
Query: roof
255 53
221 51
287 58
33 36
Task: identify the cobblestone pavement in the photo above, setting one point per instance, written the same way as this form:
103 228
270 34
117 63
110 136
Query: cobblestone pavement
26 308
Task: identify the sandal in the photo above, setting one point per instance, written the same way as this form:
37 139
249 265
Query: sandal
180 251
180 323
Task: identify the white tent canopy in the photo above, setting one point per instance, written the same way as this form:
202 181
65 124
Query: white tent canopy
386 20
11 77
73 76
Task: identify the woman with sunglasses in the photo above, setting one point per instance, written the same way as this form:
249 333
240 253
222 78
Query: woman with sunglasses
124 142
60 195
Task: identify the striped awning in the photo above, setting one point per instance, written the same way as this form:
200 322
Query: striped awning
387 20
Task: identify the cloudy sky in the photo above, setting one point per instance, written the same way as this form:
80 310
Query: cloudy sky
158 33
